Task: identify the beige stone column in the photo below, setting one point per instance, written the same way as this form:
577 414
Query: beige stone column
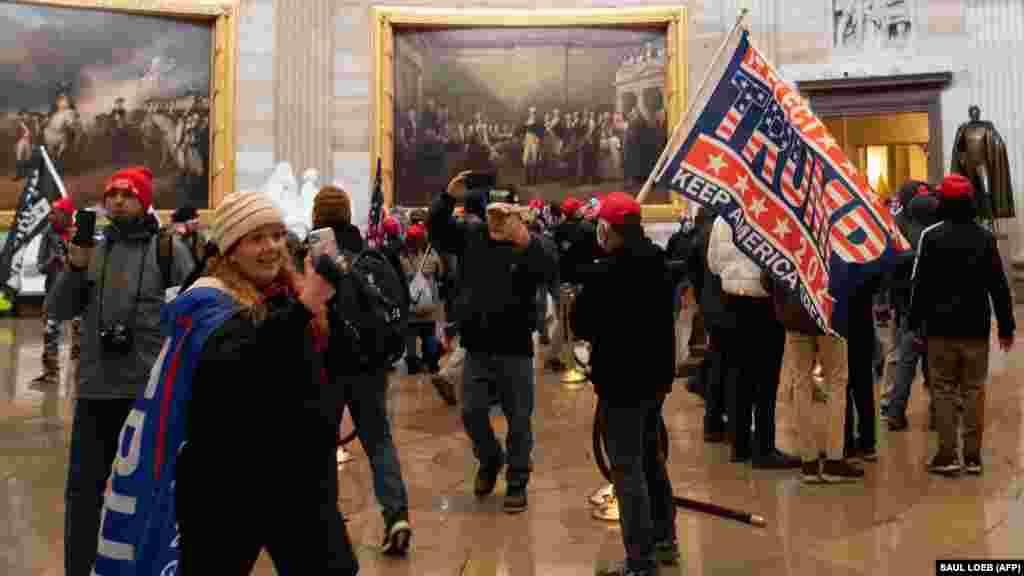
304 85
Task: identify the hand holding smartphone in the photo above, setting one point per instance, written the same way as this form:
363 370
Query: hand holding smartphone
85 223
323 242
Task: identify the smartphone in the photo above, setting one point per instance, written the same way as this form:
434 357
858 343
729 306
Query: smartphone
323 241
86 222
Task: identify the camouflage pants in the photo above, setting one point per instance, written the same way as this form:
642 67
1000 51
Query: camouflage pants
52 336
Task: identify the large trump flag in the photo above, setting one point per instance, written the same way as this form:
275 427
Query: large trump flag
759 157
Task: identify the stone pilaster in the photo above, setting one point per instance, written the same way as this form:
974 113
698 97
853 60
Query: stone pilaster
304 84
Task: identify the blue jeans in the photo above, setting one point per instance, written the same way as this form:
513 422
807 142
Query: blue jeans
367 402
95 433
647 511
901 370
431 347
511 377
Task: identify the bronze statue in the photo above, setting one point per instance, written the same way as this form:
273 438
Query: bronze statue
979 153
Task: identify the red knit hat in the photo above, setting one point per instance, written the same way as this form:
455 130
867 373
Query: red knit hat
417 232
570 206
616 206
64 204
956 186
138 179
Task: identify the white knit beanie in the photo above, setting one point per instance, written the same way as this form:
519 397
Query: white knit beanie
241 213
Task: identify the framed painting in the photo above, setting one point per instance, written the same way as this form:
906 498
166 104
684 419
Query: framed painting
554 103
105 84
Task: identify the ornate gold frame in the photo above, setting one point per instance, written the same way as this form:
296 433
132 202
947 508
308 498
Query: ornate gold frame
385 19
222 16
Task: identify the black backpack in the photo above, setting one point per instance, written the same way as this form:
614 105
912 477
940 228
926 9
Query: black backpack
371 310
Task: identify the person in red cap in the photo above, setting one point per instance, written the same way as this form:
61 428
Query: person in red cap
50 261
422 270
118 285
625 311
957 274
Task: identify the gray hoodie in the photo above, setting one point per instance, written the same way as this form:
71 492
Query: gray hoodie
126 269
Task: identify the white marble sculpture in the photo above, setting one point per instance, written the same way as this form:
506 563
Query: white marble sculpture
310 186
283 188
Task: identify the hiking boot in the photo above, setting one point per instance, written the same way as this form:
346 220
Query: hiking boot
944 464
397 536
667 553
972 465
810 472
515 500
487 477
840 471
444 388
777 460
43 382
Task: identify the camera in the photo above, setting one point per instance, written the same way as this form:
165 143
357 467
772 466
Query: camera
116 339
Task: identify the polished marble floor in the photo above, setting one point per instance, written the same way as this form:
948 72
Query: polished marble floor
899 521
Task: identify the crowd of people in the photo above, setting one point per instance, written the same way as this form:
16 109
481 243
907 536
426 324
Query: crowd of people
245 308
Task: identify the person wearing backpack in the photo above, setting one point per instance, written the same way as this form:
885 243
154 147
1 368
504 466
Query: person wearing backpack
502 265
363 387
421 268
118 285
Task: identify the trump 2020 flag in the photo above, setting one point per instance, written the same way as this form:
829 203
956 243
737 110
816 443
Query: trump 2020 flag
797 206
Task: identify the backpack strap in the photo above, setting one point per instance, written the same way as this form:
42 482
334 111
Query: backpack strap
165 254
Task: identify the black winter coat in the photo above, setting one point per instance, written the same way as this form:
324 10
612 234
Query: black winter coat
496 302
626 312
958 271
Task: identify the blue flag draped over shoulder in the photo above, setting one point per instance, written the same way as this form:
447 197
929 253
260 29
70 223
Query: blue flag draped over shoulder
797 206
138 531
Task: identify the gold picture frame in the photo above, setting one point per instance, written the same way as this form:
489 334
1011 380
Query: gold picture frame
385 19
222 16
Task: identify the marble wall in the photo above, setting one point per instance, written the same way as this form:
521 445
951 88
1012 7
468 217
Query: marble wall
305 69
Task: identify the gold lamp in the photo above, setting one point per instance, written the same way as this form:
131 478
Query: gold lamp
573 377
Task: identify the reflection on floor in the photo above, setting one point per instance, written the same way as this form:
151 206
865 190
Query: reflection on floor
898 522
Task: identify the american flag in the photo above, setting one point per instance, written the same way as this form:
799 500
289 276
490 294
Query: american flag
797 206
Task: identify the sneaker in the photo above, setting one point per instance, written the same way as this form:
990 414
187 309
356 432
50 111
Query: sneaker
344 455
667 553
43 382
972 465
944 465
810 472
867 454
515 500
486 478
603 495
840 471
444 388
397 536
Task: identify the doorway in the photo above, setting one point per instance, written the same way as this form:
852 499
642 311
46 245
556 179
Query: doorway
888 148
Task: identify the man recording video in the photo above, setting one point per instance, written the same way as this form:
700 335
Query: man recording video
625 310
501 266
118 285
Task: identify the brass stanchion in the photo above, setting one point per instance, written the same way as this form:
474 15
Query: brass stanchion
573 377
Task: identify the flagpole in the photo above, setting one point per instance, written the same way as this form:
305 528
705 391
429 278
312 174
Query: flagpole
53 172
669 146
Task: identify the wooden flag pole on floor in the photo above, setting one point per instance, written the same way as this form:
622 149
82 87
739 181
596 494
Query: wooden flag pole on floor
671 146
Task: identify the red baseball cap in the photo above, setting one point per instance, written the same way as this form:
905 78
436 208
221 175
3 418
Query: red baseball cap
616 206
570 206
64 204
956 186
138 179
416 232
391 227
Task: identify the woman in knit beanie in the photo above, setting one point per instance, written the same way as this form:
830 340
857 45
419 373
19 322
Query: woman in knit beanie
239 415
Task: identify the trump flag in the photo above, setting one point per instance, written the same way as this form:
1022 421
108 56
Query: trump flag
759 157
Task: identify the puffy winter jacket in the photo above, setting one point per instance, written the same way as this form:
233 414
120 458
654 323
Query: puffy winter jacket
740 275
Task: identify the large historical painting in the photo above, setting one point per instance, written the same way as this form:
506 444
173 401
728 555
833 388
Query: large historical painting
103 90
872 25
553 111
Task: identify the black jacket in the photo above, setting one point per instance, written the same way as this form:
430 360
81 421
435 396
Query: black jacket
348 238
496 302
577 248
958 270
626 313
258 405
